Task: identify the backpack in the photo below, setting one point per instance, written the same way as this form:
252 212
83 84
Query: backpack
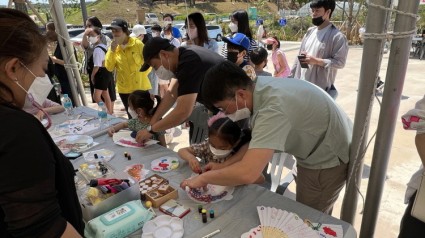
90 63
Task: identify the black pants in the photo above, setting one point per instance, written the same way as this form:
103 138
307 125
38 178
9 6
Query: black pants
411 227
124 99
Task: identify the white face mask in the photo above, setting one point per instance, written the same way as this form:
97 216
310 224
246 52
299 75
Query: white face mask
220 153
37 93
120 39
40 89
164 73
192 33
240 114
93 39
166 23
233 27
133 113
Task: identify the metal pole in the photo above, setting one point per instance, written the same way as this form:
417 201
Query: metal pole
21 6
84 11
67 52
35 12
371 63
396 73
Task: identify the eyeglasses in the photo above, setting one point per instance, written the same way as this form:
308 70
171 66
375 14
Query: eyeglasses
224 111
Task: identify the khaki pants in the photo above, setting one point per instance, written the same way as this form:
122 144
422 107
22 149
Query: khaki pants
319 188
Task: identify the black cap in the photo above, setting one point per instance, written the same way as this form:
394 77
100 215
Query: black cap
152 48
118 23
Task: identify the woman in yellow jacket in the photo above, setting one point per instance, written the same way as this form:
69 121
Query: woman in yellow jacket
125 56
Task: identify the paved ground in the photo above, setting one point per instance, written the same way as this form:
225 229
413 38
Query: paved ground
404 160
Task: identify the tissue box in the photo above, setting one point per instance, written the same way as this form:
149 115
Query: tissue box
130 194
157 190
118 222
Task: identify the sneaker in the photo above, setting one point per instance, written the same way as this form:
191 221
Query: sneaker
379 85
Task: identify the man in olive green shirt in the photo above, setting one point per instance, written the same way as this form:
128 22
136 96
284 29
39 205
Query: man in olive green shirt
289 115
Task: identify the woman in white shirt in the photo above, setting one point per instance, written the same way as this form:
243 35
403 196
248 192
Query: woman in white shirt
100 76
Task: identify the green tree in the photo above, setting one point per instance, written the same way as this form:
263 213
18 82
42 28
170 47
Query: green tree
420 24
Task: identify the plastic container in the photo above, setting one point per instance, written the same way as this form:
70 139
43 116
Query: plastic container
102 114
67 104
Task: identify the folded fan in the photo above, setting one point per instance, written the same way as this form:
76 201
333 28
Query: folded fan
277 223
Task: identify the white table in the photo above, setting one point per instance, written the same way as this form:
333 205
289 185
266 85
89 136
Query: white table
86 112
233 217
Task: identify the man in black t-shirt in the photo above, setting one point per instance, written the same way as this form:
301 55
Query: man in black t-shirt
185 67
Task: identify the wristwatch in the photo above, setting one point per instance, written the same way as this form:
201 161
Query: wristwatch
149 128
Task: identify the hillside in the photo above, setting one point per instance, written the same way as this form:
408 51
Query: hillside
106 10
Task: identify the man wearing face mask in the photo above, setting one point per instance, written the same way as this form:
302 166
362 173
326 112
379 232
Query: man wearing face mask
311 127
324 48
168 20
185 67
125 56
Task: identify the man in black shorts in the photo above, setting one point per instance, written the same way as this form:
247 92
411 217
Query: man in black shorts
185 67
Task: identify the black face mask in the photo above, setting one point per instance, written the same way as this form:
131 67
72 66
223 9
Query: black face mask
317 21
270 47
232 56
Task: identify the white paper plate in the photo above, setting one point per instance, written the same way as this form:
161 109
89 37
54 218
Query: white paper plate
165 164
163 226
74 142
123 138
214 193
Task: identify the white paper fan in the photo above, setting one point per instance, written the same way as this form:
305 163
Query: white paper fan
277 223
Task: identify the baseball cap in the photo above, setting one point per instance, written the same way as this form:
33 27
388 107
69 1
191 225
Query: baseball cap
238 39
152 48
118 23
138 30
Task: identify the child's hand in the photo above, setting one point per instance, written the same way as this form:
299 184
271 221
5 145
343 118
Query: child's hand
195 166
111 131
